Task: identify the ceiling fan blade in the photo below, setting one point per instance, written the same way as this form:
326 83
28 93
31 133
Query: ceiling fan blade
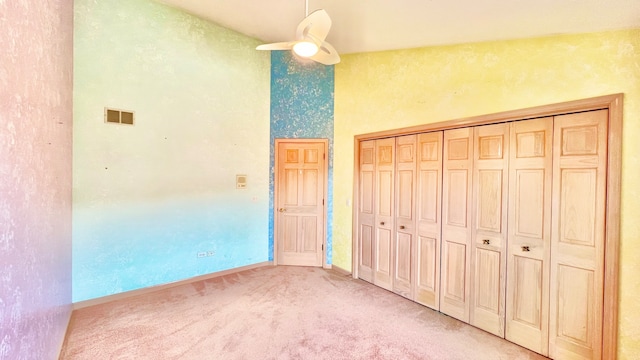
277 46
326 55
317 25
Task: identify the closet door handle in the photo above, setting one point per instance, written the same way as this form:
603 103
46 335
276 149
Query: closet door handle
486 241
381 222
525 248
401 227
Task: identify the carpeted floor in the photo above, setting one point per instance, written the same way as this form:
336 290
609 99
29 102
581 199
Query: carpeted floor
276 313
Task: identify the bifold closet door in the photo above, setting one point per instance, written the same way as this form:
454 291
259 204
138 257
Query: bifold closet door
405 220
501 226
456 223
366 215
384 212
428 206
529 239
577 235
489 234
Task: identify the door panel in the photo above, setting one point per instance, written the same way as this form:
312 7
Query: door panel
456 226
405 234
300 183
428 281
366 215
366 250
457 197
527 294
310 191
403 260
428 218
530 175
455 282
488 261
309 230
384 185
486 296
577 237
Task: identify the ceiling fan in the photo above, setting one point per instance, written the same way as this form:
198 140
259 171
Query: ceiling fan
310 35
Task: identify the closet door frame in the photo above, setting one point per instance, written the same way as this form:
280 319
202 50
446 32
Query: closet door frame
613 103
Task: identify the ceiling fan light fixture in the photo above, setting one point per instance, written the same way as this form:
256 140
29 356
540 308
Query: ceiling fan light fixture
310 40
305 48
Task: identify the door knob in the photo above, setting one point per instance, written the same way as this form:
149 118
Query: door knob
381 222
401 227
486 241
525 248
282 210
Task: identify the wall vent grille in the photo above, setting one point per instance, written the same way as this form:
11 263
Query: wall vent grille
116 116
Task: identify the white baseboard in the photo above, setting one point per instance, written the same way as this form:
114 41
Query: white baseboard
340 270
128 294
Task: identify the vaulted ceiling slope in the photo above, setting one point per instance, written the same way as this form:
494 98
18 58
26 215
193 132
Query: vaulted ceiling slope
377 25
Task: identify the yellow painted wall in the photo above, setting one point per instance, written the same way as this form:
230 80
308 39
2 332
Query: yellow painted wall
389 90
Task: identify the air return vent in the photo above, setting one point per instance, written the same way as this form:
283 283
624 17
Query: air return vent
116 116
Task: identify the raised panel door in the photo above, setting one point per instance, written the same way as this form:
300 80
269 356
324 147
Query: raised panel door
366 214
456 223
384 208
489 229
405 234
428 218
300 217
529 234
577 235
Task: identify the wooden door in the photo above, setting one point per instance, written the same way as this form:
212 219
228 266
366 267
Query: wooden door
384 227
529 239
456 225
577 235
300 216
366 214
428 206
405 229
489 235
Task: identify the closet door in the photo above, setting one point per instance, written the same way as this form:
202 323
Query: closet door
529 240
489 235
405 234
456 225
577 235
366 215
428 205
384 228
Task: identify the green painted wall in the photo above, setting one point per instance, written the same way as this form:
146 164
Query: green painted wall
147 198
388 90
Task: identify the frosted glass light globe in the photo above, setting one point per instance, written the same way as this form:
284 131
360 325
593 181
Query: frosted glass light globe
305 48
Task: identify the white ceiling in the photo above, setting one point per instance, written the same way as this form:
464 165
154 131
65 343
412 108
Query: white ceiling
375 25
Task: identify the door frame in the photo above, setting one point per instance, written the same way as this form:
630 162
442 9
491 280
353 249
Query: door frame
277 143
614 104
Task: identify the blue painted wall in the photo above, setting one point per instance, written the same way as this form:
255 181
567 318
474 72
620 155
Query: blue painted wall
302 94
148 198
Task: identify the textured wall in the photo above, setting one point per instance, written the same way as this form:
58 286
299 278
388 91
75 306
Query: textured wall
149 197
301 107
35 176
389 90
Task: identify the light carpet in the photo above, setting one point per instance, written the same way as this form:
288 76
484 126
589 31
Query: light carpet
277 313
